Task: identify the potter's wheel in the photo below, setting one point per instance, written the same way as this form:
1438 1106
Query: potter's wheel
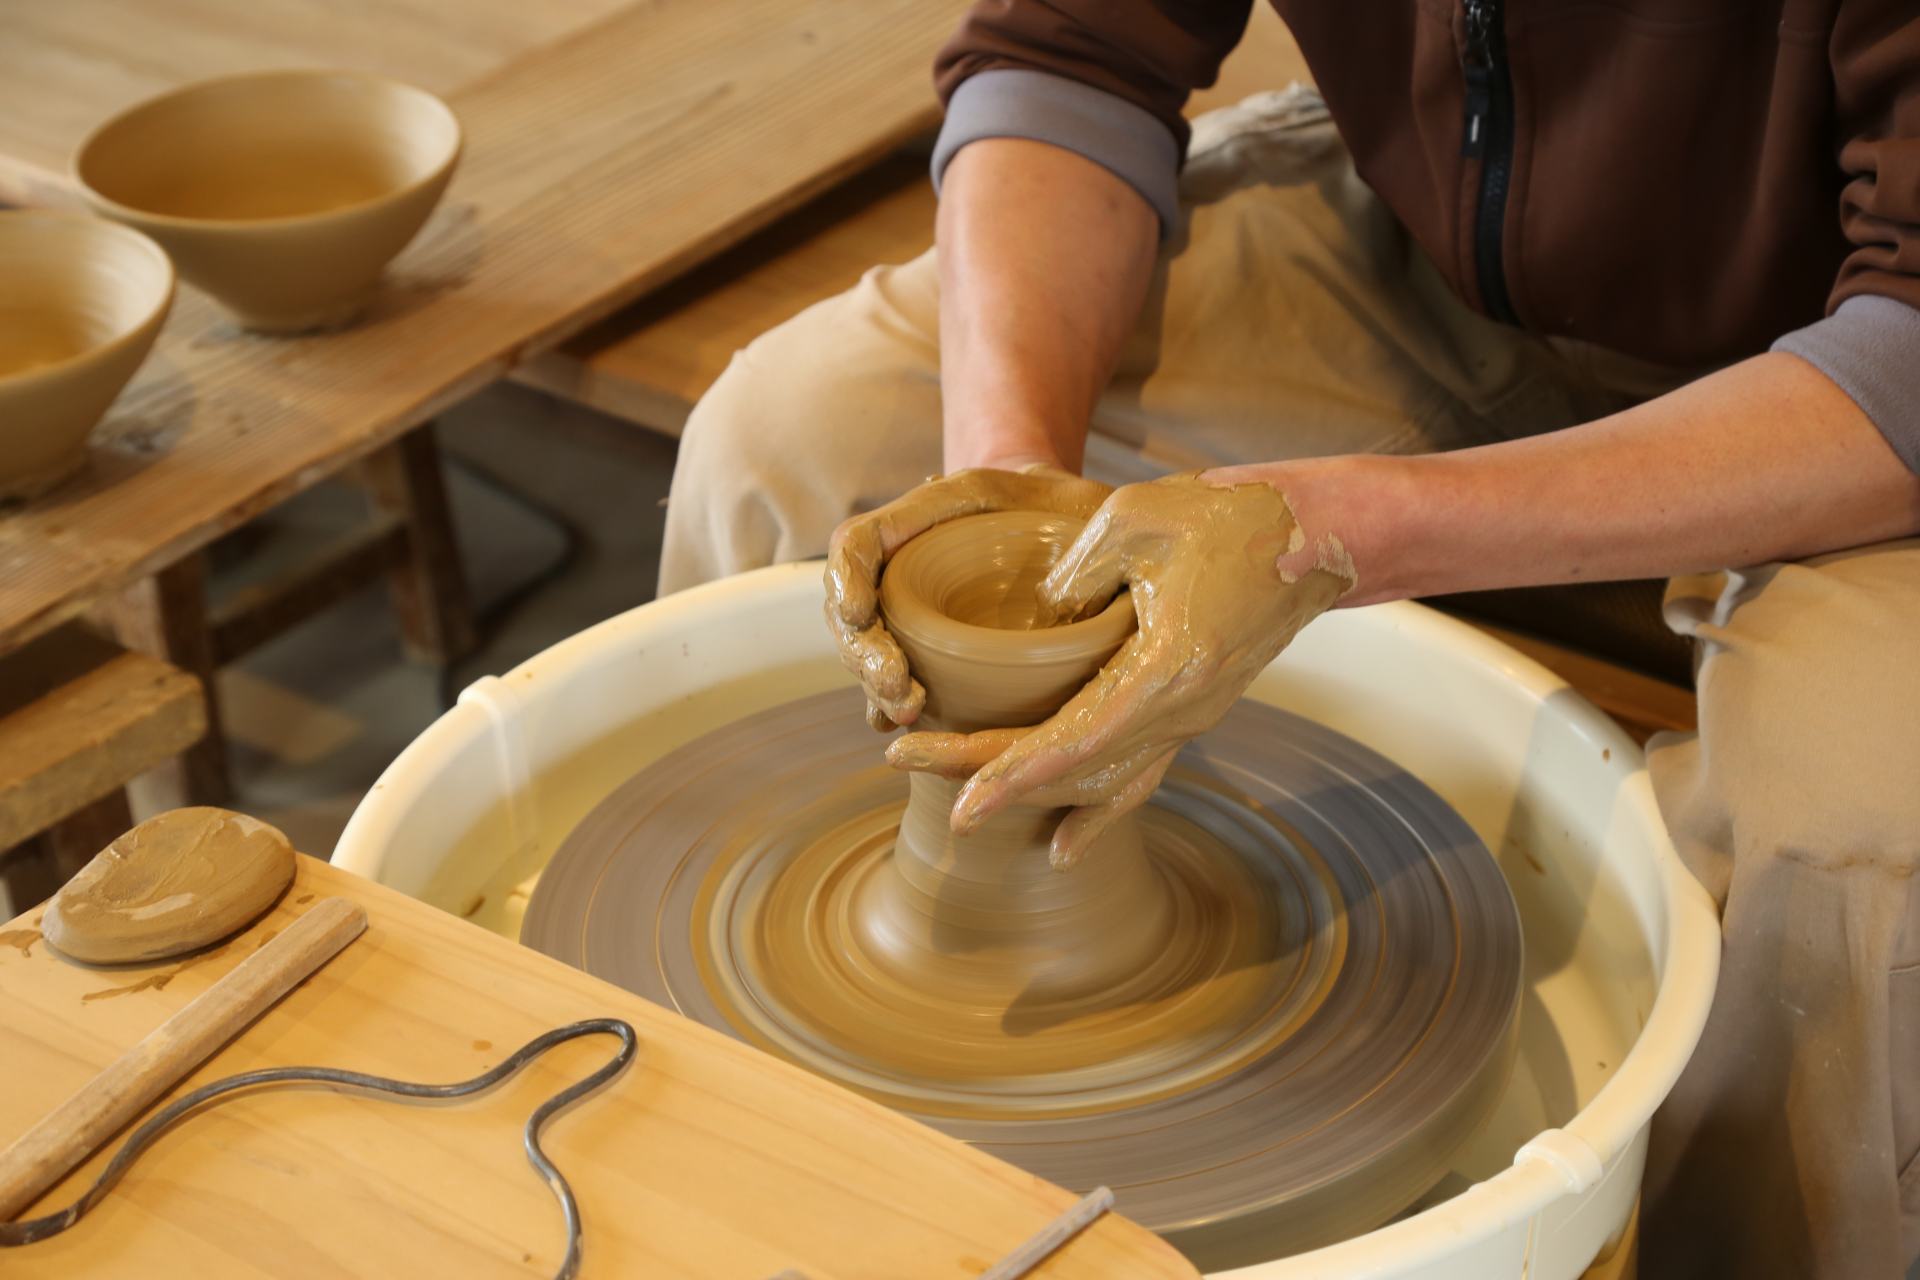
1330 1016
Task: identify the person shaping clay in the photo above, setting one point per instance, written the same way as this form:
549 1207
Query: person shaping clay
1526 293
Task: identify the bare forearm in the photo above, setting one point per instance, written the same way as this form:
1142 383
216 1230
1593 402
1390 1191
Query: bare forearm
1044 263
1767 460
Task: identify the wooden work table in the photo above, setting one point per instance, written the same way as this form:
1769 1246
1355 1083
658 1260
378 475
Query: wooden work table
706 1158
65 67
611 157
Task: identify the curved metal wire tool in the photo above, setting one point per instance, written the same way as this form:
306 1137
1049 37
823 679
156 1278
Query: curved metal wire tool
29 1230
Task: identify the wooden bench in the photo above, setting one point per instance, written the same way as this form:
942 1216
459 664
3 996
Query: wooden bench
80 718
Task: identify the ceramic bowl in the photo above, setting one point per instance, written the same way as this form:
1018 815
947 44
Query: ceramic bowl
283 194
81 302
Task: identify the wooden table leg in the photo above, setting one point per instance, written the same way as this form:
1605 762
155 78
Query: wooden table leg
34 871
72 844
27 879
167 616
428 584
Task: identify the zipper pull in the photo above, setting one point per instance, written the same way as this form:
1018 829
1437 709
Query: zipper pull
1479 101
1476 64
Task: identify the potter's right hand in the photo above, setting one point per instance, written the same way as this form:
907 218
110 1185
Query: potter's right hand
1222 577
861 547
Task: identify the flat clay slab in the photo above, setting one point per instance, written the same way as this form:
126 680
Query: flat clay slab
178 882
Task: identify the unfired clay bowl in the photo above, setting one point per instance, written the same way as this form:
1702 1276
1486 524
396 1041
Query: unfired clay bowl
80 303
283 194
962 599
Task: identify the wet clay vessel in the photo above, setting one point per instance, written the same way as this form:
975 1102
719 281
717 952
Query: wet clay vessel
964 606
283 194
1267 1012
81 301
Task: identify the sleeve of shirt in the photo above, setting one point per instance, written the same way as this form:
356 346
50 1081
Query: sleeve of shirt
1869 342
1870 347
1105 79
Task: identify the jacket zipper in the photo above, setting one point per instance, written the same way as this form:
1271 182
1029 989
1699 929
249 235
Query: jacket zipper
1489 135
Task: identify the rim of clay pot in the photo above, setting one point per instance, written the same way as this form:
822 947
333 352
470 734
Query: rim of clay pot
106 203
124 335
920 619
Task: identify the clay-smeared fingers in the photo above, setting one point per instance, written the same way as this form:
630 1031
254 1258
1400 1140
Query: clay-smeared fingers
853 573
873 657
1091 722
1090 570
1084 825
950 755
862 545
860 548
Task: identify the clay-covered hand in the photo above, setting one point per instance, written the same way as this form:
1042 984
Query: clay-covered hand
1222 578
862 545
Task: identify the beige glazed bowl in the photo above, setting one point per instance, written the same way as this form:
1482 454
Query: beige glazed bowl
80 303
283 194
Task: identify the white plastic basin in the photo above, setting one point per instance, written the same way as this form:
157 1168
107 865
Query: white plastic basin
1622 945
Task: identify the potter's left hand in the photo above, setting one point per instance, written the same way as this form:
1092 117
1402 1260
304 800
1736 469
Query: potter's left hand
861 546
1222 578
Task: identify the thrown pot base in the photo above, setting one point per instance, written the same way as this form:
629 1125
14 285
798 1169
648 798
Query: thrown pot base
19 487
333 315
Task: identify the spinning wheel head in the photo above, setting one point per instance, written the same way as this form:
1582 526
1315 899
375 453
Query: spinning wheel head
1266 1010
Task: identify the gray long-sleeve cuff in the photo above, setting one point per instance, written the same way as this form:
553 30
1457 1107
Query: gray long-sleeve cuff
1115 134
1870 347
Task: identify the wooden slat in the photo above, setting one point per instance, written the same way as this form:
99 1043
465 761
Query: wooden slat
79 718
706 1159
649 364
166 616
597 169
428 583
259 613
66 66
74 842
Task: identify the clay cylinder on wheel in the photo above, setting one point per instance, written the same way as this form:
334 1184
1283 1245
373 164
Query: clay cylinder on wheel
962 601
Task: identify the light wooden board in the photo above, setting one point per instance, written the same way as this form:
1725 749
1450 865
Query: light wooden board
66 66
649 364
80 718
596 169
706 1159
